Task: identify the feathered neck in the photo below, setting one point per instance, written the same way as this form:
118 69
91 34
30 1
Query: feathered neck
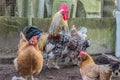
88 60
56 37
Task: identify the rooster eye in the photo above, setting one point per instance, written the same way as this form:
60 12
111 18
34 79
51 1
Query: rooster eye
64 12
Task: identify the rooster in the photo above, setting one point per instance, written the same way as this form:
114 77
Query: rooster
29 60
58 34
91 71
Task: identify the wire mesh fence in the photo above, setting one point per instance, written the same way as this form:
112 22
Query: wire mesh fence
46 8
7 7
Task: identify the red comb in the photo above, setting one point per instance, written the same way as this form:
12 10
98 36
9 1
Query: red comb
65 13
35 37
31 41
73 26
81 52
64 7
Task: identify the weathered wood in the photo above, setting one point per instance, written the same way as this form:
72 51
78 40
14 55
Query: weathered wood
118 4
49 6
118 34
30 12
40 13
101 9
108 8
19 7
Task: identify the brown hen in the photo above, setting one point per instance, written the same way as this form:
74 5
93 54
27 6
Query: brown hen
29 60
91 71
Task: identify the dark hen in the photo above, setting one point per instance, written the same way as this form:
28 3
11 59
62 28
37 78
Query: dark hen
30 31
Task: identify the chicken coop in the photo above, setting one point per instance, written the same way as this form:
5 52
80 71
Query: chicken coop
97 16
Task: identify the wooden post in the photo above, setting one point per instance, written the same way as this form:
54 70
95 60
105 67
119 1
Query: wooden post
40 13
35 8
101 9
30 12
117 52
49 5
73 8
119 5
19 4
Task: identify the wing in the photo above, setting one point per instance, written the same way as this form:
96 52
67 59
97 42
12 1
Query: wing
93 74
90 72
105 73
98 72
42 41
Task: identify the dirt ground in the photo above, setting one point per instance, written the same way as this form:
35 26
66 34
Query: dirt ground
7 71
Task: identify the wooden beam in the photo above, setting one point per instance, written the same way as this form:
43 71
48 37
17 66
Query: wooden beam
117 54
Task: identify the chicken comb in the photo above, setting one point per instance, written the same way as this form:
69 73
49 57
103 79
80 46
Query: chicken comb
81 52
31 41
36 37
73 27
64 7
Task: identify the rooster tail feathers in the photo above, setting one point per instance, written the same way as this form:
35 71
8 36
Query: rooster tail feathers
114 66
42 41
49 47
83 32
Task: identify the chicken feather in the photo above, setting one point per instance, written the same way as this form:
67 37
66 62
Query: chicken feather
29 60
91 71
57 24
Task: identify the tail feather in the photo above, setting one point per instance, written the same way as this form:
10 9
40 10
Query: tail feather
30 31
42 41
114 66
